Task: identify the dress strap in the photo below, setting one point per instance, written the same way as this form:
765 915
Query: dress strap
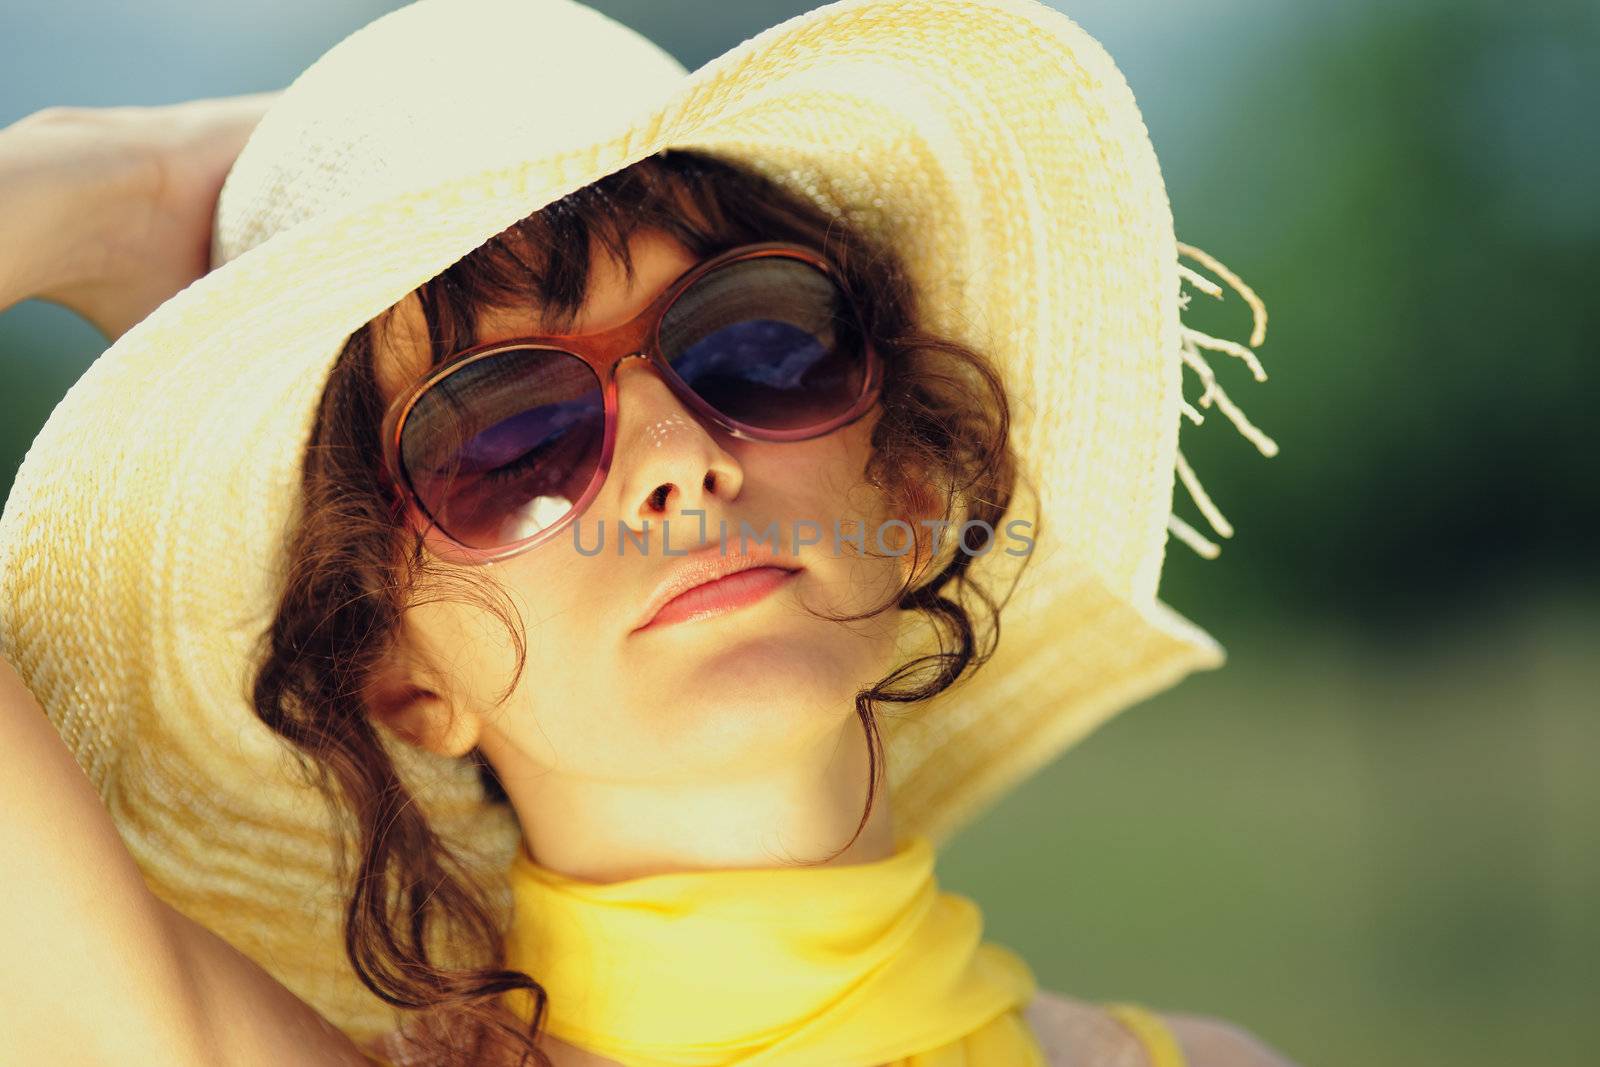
1151 1030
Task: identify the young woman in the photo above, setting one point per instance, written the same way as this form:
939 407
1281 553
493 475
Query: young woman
686 735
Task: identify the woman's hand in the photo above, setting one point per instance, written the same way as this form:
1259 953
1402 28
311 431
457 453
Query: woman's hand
108 211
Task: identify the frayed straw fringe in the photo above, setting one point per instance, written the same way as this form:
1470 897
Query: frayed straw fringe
1193 341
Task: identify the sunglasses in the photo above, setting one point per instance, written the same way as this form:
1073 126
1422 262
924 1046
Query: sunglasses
505 444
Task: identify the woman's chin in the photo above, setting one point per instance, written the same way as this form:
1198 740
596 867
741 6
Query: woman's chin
781 668
777 653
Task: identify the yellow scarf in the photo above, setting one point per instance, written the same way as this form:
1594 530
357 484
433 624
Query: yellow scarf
851 966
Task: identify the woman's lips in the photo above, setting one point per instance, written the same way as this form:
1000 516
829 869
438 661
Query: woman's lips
723 595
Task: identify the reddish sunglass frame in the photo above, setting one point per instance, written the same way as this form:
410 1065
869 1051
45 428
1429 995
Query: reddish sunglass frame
604 351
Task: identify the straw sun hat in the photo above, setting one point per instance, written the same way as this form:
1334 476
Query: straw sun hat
993 143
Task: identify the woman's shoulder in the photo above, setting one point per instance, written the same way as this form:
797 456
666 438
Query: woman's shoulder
1083 1033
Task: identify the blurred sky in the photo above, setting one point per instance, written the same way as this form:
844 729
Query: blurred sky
1372 838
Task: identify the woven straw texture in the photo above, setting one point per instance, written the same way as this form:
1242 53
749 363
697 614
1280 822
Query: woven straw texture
994 143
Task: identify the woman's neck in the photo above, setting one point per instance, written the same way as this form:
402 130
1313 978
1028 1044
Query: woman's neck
564 1055
793 811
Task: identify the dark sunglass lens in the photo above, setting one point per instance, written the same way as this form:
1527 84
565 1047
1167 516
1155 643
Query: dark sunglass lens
504 447
770 342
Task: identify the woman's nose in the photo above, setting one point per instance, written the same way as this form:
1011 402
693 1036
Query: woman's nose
666 459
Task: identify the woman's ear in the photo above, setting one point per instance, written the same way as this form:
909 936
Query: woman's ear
418 713
922 505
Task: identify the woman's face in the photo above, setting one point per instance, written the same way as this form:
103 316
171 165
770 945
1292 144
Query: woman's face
728 695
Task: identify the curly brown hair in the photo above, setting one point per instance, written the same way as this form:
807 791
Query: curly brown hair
942 444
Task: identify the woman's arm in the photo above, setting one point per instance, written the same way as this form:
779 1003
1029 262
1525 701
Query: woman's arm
1211 1042
91 972
1081 1033
107 211
96 969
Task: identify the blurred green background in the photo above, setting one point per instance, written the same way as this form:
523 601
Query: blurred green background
1371 839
